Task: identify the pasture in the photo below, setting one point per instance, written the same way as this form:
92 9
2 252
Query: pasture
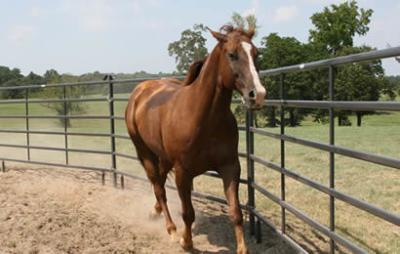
378 185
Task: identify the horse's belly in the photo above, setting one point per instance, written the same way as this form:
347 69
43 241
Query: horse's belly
201 156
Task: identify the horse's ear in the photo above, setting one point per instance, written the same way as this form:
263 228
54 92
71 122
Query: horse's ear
219 36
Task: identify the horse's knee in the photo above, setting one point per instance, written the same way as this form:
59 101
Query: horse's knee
236 216
157 207
159 191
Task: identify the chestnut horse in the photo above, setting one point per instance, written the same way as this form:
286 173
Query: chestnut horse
190 127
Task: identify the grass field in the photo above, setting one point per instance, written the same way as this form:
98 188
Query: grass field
380 134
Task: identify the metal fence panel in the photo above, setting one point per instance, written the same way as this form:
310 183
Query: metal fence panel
255 215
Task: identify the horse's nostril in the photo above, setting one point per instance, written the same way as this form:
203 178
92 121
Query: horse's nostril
252 94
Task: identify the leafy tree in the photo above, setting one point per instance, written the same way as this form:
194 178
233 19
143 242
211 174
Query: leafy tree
360 82
7 74
283 51
30 79
189 48
336 26
333 34
10 77
61 108
392 86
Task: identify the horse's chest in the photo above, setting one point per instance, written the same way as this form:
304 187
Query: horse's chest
201 145
209 151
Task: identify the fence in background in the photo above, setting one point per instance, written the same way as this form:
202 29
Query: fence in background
255 216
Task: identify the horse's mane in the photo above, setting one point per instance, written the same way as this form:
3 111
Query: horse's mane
229 28
193 72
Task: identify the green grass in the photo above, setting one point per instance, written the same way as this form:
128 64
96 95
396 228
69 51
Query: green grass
380 134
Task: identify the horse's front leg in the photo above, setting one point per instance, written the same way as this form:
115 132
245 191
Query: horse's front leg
184 186
231 175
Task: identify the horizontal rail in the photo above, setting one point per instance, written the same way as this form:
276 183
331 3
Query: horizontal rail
38 86
89 134
379 212
122 136
56 133
241 128
349 105
126 156
216 175
86 83
242 154
121 99
56 149
377 159
58 165
16 101
366 56
84 117
302 216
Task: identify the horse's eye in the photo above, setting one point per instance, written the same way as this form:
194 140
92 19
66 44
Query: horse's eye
233 56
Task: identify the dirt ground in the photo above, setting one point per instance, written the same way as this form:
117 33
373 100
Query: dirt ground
70 211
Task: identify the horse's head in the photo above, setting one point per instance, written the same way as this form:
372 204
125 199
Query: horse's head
238 70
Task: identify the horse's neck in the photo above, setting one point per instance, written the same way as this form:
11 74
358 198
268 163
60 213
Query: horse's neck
210 99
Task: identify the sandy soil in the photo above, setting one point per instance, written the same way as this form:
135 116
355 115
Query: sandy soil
69 211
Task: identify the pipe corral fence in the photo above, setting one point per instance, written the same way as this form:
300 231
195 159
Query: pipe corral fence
255 216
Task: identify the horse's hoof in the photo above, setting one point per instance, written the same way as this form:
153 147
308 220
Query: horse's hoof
186 245
153 215
173 236
242 251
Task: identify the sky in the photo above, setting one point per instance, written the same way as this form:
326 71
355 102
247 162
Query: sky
79 36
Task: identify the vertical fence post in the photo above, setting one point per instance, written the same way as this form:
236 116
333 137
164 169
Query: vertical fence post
112 127
258 231
28 151
65 124
3 166
122 182
282 132
103 177
331 157
250 168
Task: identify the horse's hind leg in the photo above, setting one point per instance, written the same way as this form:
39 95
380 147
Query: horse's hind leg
159 190
157 172
184 186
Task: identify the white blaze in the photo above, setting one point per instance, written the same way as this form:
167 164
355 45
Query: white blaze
260 90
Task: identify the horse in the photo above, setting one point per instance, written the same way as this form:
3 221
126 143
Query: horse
188 127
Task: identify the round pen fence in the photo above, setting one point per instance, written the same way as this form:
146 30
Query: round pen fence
255 216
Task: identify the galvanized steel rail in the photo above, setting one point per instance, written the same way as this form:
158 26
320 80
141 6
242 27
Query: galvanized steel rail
255 216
